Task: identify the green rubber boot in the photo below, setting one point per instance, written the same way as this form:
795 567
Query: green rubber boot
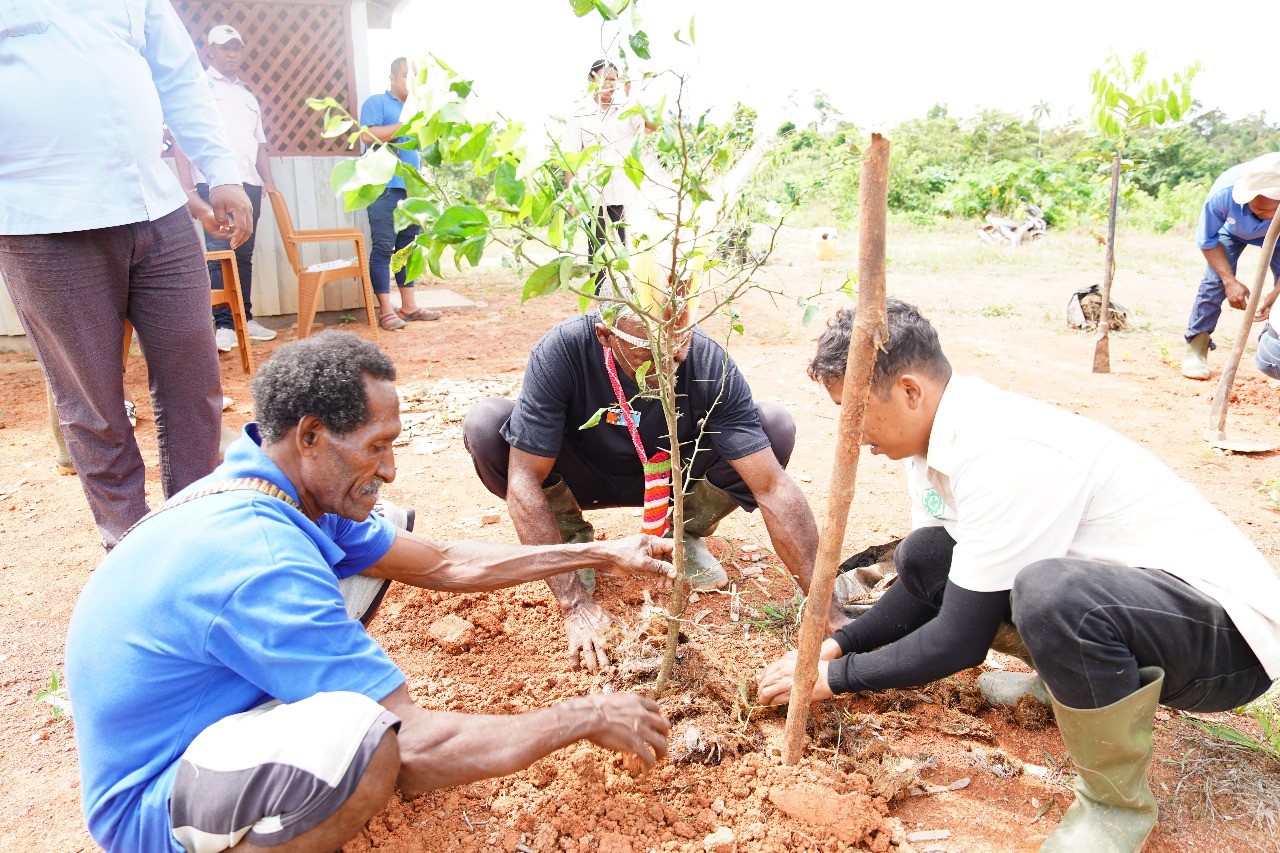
1114 811
1006 688
574 529
1195 360
704 507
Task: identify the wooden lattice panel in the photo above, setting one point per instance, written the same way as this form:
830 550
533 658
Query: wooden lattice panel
294 50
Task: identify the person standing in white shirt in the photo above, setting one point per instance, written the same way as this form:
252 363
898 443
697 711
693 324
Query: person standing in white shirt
599 121
242 120
1069 545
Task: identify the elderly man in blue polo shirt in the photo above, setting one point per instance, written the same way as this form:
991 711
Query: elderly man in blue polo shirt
226 693
93 232
380 116
1236 214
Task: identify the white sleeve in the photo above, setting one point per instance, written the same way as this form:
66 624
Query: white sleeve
1016 503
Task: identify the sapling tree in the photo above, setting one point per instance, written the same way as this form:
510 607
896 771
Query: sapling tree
689 178
1125 101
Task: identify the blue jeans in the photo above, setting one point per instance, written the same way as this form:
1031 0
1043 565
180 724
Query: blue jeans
386 241
244 258
1268 356
1208 305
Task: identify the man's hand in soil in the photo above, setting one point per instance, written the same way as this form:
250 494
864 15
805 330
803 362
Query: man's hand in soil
776 679
629 723
233 212
640 554
1237 293
587 624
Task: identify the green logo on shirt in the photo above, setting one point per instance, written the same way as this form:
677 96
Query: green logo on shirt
933 502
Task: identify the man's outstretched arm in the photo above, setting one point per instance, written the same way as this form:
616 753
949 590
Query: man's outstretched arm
440 749
787 517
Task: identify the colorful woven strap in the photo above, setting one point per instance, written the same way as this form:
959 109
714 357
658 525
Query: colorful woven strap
657 469
240 484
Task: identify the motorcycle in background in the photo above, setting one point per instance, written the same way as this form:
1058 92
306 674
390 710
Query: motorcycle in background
1006 232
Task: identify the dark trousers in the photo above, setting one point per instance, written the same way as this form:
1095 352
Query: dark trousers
73 292
595 488
604 216
385 240
244 258
1091 625
1207 308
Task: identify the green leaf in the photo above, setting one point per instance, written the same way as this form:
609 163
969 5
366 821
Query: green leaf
581 7
584 298
461 88
450 113
360 198
459 222
336 125
555 233
642 372
414 264
323 103
692 36
566 269
471 149
594 419
545 279
343 176
634 170
377 166
506 185
605 12
640 44
431 155
472 249
416 211
433 257
811 312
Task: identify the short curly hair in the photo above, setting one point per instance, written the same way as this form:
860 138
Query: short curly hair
323 376
913 347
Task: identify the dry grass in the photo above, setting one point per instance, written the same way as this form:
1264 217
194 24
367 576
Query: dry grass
1224 783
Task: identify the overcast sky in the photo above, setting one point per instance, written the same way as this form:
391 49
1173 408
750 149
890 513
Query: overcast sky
878 63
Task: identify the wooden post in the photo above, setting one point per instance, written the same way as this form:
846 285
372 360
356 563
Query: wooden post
1222 397
870 331
1102 349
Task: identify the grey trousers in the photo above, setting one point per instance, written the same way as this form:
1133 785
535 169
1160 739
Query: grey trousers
73 292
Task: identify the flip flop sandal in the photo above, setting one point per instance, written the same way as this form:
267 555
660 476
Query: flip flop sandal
390 321
419 314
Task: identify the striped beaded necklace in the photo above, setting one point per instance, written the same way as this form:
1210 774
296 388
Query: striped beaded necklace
657 468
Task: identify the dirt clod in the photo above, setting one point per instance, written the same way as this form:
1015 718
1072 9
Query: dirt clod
454 634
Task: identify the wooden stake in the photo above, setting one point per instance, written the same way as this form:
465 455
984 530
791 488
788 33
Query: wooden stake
1222 397
870 331
1102 349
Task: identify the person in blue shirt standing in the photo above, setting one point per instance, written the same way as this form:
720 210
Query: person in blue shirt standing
226 693
93 232
1236 214
380 116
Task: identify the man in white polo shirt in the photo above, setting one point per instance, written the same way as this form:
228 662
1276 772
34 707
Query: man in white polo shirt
242 119
1128 588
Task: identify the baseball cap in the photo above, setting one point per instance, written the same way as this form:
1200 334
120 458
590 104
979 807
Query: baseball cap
1261 177
222 34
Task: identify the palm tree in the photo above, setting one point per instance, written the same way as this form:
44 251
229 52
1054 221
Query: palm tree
1039 112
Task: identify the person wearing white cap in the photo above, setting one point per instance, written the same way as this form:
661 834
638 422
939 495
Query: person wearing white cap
242 119
1236 214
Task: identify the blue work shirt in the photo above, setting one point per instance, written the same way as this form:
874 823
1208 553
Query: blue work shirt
1222 215
384 109
206 610
87 88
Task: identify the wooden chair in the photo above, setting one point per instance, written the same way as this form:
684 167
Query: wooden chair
312 279
230 296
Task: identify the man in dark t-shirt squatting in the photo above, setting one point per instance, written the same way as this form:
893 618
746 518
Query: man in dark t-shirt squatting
532 453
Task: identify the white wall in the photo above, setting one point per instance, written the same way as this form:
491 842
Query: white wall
304 182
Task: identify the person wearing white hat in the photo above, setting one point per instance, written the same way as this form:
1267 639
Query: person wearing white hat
242 119
1236 214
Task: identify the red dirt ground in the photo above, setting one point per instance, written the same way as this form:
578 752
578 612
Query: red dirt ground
583 798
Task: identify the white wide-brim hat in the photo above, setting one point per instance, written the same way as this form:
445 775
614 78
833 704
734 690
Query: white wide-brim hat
1262 177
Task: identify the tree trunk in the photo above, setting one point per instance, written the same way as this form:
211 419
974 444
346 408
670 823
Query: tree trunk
1102 349
869 334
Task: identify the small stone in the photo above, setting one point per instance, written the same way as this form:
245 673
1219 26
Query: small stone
490 518
720 841
453 633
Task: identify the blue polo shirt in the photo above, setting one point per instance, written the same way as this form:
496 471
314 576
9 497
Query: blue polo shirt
379 110
1222 215
207 610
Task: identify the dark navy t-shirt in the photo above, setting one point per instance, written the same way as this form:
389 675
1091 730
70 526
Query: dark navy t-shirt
565 383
